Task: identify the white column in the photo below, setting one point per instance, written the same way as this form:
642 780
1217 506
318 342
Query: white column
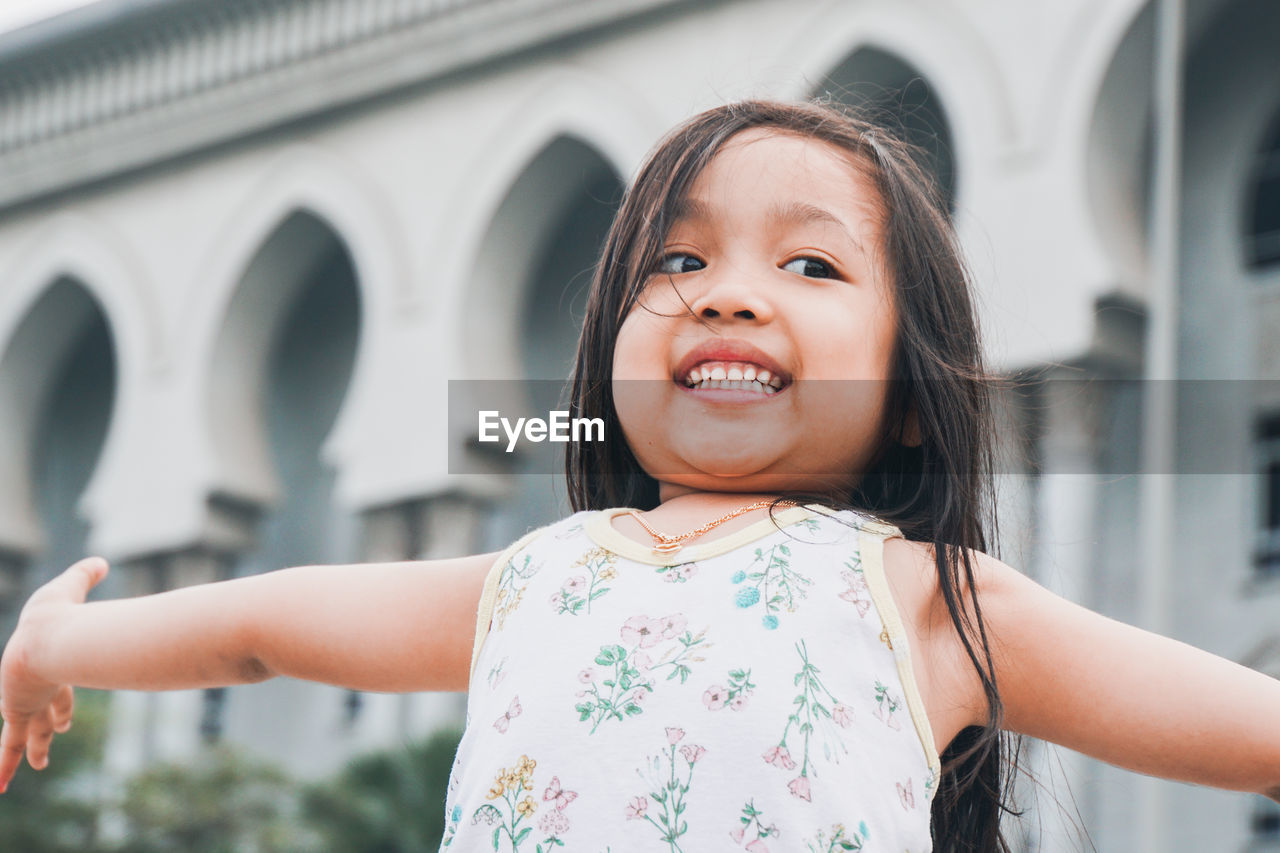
1064 555
430 529
448 526
158 727
1160 404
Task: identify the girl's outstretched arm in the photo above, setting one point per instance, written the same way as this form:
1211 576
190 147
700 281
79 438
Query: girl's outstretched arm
1126 696
381 627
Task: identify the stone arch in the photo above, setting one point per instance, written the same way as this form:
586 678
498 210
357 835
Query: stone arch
1261 227
1118 150
1232 104
899 44
71 269
883 83
280 370
298 249
46 341
564 176
570 135
313 196
548 188
1232 94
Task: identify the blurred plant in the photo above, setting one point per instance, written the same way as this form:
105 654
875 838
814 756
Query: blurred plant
386 802
220 801
55 809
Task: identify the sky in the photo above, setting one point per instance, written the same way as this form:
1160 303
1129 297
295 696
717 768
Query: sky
18 13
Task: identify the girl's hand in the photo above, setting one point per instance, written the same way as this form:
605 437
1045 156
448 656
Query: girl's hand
34 708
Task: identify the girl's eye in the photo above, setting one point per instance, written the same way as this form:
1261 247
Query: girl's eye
678 262
811 267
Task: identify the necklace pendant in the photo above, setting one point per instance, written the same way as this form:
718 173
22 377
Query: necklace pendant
667 547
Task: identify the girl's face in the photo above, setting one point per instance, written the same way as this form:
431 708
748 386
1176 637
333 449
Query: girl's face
773 277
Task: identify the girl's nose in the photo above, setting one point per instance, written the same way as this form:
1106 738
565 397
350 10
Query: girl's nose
732 295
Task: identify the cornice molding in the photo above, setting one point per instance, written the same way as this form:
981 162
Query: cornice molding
157 79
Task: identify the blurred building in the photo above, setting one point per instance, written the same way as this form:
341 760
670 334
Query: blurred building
244 244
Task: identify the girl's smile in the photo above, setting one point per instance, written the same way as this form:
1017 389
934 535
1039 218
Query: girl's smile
771 278
730 370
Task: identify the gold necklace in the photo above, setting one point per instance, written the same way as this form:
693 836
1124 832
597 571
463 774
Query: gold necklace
671 544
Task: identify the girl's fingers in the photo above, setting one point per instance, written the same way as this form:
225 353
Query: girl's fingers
63 705
39 736
13 742
81 577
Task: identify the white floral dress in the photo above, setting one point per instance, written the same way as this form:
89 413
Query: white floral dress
755 691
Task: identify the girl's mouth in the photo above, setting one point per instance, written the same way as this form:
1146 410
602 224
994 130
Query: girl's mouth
733 376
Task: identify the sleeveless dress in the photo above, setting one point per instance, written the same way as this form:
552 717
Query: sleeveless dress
755 691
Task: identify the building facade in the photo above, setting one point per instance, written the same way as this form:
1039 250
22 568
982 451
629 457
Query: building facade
244 245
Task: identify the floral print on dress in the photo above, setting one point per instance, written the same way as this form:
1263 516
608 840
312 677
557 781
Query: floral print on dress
514 790
669 783
553 821
681 573
570 531
839 838
576 594
770 580
513 710
887 705
905 795
812 718
496 674
753 828
857 592
806 697
735 695
512 583
451 827
630 671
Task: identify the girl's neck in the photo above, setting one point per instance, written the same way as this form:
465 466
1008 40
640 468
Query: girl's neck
678 496
689 509
687 500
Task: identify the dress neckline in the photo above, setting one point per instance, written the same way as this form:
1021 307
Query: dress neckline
599 527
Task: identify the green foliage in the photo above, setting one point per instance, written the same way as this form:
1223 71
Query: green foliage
220 802
386 802
53 810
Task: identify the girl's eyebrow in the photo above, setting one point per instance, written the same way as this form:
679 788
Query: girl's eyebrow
792 213
804 213
687 209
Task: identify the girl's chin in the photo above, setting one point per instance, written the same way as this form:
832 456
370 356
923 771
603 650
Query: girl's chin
756 482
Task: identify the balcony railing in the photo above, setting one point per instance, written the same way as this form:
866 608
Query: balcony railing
94 93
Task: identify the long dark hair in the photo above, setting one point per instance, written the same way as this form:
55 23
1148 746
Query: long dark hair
938 491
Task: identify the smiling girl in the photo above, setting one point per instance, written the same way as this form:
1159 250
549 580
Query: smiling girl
770 622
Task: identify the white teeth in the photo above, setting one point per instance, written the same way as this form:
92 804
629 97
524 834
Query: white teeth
731 385
734 377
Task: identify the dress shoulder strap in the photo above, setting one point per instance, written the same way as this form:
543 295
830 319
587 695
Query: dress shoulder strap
894 633
489 593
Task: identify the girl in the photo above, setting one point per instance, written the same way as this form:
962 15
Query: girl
795 642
